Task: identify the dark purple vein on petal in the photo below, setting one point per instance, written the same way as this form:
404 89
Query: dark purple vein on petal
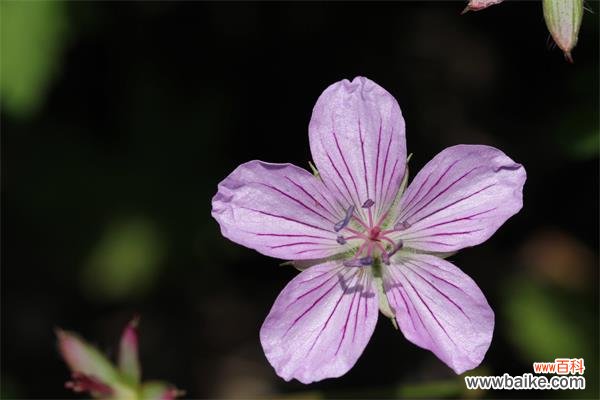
332 312
318 203
468 218
384 172
447 205
334 211
376 194
442 234
314 304
317 249
429 241
362 150
409 264
285 218
430 312
337 144
334 271
297 201
364 278
401 288
406 210
291 235
416 194
342 206
356 292
386 200
415 308
293 244
436 267
351 201
311 306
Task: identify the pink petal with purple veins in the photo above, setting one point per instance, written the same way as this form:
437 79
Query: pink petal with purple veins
279 210
358 144
440 308
320 322
460 198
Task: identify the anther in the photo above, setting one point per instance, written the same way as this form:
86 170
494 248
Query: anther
385 257
352 263
359 262
402 225
340 239
343 223
368 204
398 246
366 261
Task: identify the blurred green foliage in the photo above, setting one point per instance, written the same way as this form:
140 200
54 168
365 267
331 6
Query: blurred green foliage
125 262
541 323
32 37
545 323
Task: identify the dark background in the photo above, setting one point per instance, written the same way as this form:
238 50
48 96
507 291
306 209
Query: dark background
119 120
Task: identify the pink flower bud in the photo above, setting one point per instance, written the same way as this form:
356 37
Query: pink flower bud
478 5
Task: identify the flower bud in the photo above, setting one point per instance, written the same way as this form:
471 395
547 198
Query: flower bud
85 359
563 19
477 5
129 363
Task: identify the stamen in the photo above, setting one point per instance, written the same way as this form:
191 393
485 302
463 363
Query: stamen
340 239
368 204
387 239
343 223
402 225
359 262
383 217
366 261
360 222
385 258
353 263
397 247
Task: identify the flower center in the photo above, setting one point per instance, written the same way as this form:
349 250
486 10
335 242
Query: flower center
374 233
374 240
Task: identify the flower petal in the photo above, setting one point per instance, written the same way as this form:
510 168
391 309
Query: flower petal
440 308
320 322
358 144
279 210
460 198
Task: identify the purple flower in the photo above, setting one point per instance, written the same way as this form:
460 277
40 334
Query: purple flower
364 243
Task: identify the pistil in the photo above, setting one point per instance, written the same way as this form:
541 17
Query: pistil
372 237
